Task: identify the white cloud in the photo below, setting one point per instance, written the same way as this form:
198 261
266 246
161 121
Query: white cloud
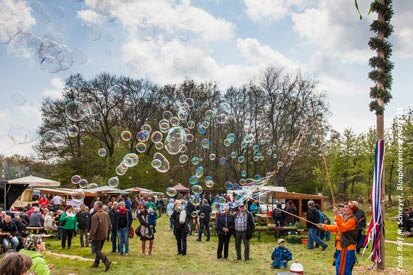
266 9
90 16
55 91
4 116
402 37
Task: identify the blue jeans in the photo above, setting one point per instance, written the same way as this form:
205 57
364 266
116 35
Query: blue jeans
13 241
348 258
123 235
313 237
115 241
203 225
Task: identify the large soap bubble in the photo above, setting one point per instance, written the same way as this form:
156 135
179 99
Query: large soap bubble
131 160
72 131
113 182
165 163
183 159
156 137
171 192
102 152
205 143
159 146
193 180
126 135
78 195
140 147
195 161
74 110
83 183
199 172
197 189
75 179
175 139
142 136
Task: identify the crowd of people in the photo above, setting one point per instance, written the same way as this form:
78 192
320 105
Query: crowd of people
112 221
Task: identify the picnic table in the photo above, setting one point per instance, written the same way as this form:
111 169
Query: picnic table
263 219
35 229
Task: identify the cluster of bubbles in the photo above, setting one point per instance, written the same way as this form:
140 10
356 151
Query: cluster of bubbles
78 110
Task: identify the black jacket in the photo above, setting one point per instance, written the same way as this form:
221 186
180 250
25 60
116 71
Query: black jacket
225 220
312 216
206 210
82 219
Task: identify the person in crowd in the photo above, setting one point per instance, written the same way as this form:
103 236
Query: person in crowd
204 219
281 255
21 225
123 221
152 216
190 208
58 224
159 206
406 223
9 233
290 208
244 227
278 216
14 263
346 226
164 203
68 222
169 211
34 247
254 208
150 204
314 217
57 202
225 228
99 229
82 218
180 219
146 230
49 223
325 220
25 217
135 203
128 203
114 235
36 218
43 202
361 224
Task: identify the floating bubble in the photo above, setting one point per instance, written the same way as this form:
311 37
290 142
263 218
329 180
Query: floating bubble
222 160
256 148
164 102
241 159
184 148
131 160
72 131
91 108
199 172
209 183
75 179
156 163
126 135
195 161
21 135
242 182
195 200
156 137
175 139
227 142
83 183
171 192
74 110
79 56
102 152
121 169
212 156
197 189
18 98
228 185
182 115
167 115
193 180
280 164
113 182
205 124
257 177
190 102
174 121
209 114
248 138
243 173
191 124
222 118
233 155
147 128
92 31
183 159
165 163
143 136
190 137
140 147
202 215
201 129
164 126
159 146
78 195
59 12
274 156
256 158
231 137
205 143
92 186
53 137
194 214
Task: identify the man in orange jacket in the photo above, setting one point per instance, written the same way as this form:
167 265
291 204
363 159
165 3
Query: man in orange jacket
346 227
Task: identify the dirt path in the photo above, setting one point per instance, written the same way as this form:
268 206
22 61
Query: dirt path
404 243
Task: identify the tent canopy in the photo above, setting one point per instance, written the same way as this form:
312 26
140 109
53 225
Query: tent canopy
33 181
140 190
180 188
9 193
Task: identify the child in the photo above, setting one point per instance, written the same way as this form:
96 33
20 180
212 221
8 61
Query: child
151 217
281 255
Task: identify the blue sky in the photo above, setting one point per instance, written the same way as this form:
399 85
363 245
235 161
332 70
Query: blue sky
227 41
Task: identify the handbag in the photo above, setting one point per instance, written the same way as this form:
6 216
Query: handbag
138 231
131 232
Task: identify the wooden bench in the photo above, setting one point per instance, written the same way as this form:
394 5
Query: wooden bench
35 229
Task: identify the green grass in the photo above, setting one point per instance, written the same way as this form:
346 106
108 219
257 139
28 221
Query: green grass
201 258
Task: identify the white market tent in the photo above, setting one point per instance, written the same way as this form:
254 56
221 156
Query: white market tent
33 181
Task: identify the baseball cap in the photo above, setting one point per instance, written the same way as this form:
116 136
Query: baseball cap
281 241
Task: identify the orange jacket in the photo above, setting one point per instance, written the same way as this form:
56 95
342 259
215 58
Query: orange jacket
342 226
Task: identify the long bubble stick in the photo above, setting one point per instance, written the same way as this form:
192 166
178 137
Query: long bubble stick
301 218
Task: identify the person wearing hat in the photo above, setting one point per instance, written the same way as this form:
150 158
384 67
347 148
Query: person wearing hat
361 224
281 255
244 227
68 221
34 247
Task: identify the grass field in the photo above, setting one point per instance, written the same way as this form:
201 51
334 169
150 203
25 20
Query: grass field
201 258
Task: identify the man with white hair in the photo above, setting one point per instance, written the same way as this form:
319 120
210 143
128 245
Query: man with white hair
314 218
36 218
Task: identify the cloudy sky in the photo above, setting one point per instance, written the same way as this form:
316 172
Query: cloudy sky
227 41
